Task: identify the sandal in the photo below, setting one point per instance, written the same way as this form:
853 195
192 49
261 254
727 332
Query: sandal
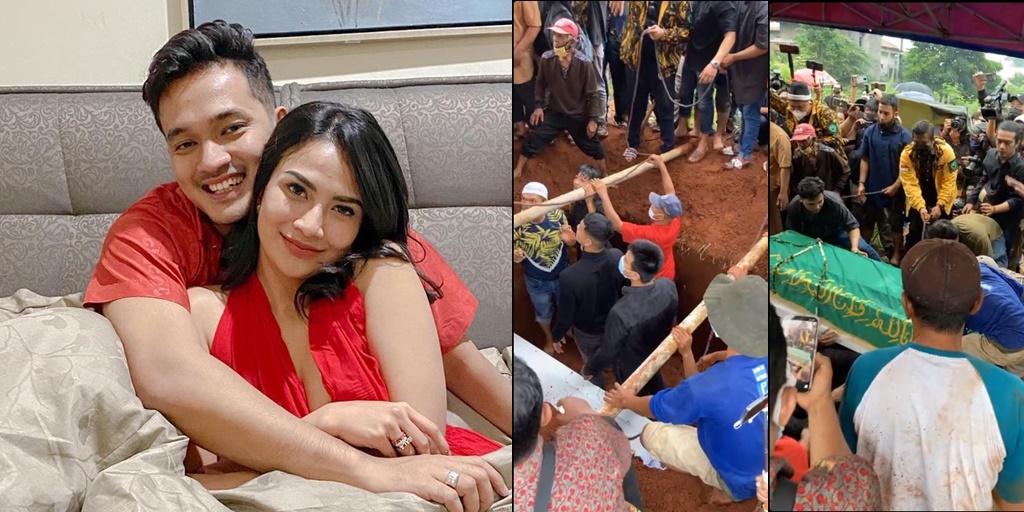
696 156
735 164
629 154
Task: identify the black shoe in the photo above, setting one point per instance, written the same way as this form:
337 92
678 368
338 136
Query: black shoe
602 131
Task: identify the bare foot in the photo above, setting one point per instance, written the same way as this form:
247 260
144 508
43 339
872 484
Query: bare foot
717 145
718 497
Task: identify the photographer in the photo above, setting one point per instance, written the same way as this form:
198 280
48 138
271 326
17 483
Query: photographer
1000 203
928 170
954 132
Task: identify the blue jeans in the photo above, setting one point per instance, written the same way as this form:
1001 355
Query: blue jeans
543 295
751 124
707 105
999 252
843 240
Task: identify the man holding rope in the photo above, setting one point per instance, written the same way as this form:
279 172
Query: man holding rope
879 186
928 170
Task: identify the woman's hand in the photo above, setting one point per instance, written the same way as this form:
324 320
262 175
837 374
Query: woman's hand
476 487
380 426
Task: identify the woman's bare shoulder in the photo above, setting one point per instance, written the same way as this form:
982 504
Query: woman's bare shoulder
207 304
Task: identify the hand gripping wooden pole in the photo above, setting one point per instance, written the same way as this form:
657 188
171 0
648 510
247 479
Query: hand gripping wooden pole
668 346
577 194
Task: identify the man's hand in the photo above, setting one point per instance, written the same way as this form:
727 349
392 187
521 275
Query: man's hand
856 250
1017 186
656 32
591 128
727 60
968 208
616 8
861 193
684 340
925 216
588 188
657 160
600 187
517 56
518 255
821 386
537 117
936 213
378 426
737 272
708 75
980 81
425 477
710 360
947 125
987 209
891 190
619 396
783 200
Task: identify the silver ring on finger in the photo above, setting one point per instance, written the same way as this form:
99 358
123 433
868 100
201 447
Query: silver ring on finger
452 479
403 442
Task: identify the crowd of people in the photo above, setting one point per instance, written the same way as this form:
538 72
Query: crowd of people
674 55
944 205
581 66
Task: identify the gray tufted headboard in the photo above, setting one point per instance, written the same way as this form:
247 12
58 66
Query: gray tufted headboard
72 159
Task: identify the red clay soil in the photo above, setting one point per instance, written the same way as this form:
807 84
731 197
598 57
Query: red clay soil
724 212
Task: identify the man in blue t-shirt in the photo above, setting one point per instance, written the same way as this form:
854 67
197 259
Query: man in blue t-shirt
724 457
996 332
539 245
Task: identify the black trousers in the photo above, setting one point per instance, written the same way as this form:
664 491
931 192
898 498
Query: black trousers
649 84
555 123
522 102
916 232
617 73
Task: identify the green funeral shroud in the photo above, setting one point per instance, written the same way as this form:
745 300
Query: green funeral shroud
858 295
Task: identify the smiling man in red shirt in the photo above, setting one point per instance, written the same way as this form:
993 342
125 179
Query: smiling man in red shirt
212 98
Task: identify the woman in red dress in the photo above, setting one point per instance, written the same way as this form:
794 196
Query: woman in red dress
297 317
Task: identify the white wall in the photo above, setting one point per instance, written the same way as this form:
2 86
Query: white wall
110 42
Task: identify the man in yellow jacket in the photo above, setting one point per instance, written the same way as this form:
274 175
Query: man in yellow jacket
928 170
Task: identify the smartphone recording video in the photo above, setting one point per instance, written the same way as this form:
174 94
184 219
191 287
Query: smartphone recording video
802 345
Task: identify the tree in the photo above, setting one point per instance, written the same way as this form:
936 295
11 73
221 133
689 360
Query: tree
937 65
840 57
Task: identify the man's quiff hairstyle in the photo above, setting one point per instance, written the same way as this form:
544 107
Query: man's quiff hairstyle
196 49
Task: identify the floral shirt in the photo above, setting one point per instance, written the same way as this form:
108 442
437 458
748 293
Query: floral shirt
591 460
844 482
674 18
822 118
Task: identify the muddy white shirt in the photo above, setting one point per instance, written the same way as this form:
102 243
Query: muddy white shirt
941 429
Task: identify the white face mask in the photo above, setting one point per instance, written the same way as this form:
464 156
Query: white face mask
650 213
799 114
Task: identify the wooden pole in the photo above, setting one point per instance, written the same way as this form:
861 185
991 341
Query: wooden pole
661 355
577 194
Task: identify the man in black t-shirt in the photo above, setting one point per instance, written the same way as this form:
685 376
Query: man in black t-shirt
714 29
817 213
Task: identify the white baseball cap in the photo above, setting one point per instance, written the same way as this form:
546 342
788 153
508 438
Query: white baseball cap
536 188
1020 119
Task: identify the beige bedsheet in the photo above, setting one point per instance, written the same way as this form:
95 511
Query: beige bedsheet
73 435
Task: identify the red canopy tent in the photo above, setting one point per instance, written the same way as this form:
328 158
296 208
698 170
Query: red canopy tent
984 27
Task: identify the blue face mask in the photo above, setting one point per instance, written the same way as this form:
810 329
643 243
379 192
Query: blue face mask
975 145
622 267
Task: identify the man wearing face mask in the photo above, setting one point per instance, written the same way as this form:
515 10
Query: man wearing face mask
568 99
819 213
640 320
812 158
928 170
664 213
588 289
838 479
879 187
993 196
798 108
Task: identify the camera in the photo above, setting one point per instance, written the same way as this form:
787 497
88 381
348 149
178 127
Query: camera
777 83
959 123
993 103
879 86
973 166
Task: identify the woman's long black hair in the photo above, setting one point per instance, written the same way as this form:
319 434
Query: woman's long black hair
360 138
